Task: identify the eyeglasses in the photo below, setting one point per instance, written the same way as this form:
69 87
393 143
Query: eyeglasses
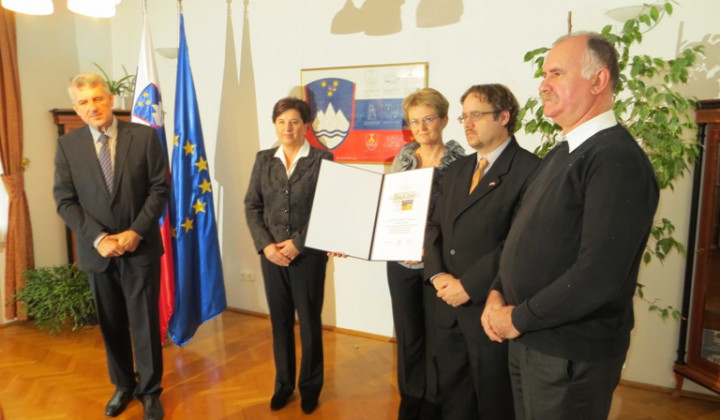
426 121
474 116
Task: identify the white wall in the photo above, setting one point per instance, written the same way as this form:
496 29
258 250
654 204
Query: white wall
242 69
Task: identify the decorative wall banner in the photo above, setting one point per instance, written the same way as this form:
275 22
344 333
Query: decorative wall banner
357 111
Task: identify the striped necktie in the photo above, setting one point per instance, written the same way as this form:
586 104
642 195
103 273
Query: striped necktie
106 161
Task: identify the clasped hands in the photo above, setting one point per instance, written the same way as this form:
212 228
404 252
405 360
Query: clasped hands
281 253
117 244
496 318
450 289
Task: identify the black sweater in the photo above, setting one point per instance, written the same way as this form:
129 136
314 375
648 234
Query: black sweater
571 259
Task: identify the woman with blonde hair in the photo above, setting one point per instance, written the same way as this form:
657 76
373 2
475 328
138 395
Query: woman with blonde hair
426 112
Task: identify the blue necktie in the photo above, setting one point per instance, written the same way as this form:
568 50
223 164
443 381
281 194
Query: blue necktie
106 161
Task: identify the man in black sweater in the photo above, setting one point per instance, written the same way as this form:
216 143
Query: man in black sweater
568 270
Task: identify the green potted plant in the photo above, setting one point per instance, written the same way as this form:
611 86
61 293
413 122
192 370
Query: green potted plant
648 102
121 88
58 296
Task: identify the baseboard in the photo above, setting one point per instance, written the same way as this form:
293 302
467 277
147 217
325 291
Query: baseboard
325 327
246 312
671 391
360 334
10 323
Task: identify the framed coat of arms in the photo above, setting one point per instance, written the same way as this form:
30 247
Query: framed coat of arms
357 111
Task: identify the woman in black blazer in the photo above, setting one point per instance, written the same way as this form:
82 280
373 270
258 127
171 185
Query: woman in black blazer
412 298
277 209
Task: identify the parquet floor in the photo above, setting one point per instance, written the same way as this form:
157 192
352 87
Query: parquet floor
226 372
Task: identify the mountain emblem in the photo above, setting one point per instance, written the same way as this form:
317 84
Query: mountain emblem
331 103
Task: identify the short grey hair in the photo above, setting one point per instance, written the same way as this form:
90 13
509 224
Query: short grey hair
600 53
87 79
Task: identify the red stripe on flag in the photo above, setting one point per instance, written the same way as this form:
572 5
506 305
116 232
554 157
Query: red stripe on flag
167 279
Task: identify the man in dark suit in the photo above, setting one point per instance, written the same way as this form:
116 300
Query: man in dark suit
110 189
479 194
570 263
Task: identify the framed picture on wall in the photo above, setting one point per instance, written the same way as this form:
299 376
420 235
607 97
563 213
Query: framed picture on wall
357 111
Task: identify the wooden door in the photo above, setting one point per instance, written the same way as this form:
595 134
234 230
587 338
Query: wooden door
702 364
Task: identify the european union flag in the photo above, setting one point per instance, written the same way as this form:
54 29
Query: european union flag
199 287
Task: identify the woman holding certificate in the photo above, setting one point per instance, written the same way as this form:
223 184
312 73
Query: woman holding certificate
277 209
426 111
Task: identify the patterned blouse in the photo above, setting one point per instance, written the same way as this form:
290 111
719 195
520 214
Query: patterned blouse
406 160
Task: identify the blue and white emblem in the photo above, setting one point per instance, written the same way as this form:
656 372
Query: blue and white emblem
331 102
148 106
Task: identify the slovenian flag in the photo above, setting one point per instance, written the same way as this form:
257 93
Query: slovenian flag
147 110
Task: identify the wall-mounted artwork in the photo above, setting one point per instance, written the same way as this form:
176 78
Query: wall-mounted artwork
357 111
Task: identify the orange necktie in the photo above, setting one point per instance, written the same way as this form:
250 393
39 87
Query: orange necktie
478 174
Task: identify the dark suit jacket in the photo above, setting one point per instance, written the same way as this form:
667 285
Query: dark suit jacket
138 199
278 208
465 233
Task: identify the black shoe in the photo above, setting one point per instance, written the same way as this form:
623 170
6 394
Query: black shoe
152 407
309 404
279 400
118 402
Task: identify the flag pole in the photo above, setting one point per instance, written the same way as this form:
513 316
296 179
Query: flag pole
180 12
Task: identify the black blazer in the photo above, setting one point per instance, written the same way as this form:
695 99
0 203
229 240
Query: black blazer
278 208
138 199
465 233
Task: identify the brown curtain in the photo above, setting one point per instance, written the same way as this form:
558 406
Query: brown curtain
19 251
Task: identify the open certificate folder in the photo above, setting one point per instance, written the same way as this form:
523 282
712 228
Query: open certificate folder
370 215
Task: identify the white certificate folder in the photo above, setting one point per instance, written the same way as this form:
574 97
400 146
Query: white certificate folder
369 215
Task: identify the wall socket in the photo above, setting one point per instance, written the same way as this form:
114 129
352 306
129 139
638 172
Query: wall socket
247 277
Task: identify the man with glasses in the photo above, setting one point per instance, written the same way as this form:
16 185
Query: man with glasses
465 232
